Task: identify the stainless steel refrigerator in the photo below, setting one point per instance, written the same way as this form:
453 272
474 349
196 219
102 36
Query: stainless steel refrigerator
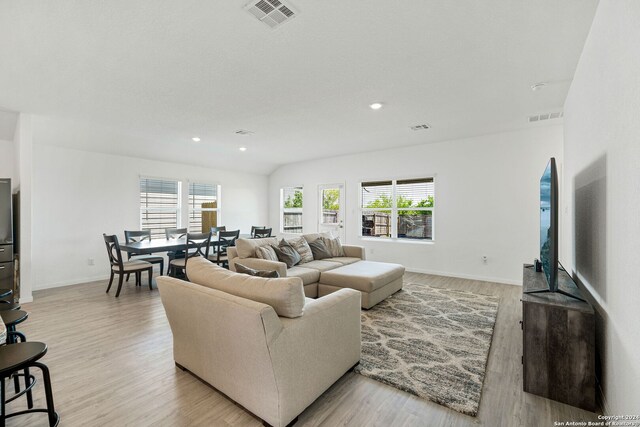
6 235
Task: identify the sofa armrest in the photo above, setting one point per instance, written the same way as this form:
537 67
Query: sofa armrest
261 264
315 350
354 251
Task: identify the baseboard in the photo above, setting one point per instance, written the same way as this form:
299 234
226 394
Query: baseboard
26 299
466 276
76 281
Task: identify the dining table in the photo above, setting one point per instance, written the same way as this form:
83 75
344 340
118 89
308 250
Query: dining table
146 247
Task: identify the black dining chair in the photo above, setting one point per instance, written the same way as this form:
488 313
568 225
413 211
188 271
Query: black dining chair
198 244
225 239
260 233
254 228
131 236
120 267
175 233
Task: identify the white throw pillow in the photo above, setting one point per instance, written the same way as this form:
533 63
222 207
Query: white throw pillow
266 252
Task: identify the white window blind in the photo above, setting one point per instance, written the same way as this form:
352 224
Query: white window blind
159 205
291 199
203 207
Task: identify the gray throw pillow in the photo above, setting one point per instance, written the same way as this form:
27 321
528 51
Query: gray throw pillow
319 249
287 254
258 273
334 246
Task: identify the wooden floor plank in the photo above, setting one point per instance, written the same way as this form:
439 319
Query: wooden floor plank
112 365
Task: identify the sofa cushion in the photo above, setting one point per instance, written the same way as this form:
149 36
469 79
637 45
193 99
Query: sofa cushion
266 252
364 276
287 254
246 248
308 275
321 265
344 260
285 295
334 246
258 273
319 249
302 247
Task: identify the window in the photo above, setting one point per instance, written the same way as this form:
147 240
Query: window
400 209
203 207
291 207
159 205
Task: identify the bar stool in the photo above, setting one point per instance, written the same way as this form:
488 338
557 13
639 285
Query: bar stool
21 357
11 318
9 306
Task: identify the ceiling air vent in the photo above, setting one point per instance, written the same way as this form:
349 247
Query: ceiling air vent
271 12
545 116
420 127
244 132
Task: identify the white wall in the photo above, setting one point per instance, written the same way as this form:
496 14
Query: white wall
78 195
7 159
602 183
487 200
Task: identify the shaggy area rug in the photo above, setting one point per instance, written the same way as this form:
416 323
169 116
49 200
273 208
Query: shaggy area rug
430 342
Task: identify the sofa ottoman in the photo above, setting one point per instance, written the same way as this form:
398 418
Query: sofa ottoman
374 280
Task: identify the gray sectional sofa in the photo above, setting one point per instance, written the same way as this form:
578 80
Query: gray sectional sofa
375 280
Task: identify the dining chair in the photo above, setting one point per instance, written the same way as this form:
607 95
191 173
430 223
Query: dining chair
121 268
197 245
214 232
131 236
175 233
260 233
254 227
225 239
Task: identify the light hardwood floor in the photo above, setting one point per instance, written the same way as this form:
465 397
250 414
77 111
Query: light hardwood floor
111 363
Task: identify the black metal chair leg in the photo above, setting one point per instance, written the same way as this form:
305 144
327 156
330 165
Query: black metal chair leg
27 382
2 406
120 277
53 417
150 278
161 267
110 281
128 274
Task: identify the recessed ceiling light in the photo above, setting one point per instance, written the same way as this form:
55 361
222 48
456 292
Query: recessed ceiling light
375 106
195 139
243 148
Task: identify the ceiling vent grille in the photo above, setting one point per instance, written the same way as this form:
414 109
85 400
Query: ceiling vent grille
420 127
271 12
545 116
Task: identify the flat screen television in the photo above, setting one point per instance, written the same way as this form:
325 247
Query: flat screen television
549 224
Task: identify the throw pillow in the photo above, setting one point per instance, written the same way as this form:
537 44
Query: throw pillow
302 247
319 249
334 246
266 252
287 254
259 273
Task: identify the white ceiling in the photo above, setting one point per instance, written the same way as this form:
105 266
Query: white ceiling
142 77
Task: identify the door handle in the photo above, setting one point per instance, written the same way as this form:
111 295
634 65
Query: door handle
2 267
1 249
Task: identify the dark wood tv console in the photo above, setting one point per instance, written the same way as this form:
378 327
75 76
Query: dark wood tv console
558 342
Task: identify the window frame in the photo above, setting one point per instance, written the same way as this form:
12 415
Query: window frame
394 211
217 209
284 210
